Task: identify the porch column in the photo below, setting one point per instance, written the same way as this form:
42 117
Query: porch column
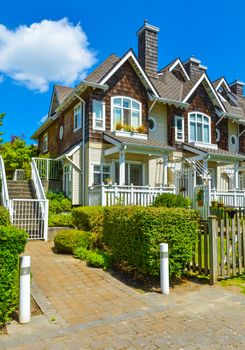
236 179
165 170
122 168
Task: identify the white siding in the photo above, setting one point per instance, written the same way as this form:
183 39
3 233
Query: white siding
155 172
76 179
233 130
159 113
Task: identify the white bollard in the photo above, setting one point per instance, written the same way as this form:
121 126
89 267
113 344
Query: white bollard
25 290
164 270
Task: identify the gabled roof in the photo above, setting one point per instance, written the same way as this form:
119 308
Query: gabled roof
59 94
217 83
168 86
103 68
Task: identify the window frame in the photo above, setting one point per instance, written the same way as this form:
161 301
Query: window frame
189 128
113 126
81 105
176 118
101 172
103 115
155 123
45 143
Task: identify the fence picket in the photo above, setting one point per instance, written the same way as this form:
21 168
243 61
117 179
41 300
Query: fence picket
222 248
239 246
200 252
206 252
243 243
233 235
228 264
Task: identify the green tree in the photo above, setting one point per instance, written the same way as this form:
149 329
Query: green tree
1 124
17 155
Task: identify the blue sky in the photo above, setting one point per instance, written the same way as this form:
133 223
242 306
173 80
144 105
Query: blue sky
212 31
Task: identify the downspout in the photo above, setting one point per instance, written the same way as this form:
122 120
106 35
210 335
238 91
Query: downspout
83 143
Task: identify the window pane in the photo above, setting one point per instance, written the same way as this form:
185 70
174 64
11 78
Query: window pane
192 132
206 133
179 124
199 117
98 109
126 103
126 116
99 124
199 132
97 179
135 105
117 115
117 101
205 119
106 169
192 117
135 119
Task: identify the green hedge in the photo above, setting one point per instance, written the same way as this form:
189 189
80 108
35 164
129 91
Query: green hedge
4 216
61 220
58 202
94 258
68 240
170 200
133 235
12 243
90 219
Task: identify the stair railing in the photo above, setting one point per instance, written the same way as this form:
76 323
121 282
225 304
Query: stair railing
38 186
4 188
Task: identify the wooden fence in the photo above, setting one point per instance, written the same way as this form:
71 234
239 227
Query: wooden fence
220 250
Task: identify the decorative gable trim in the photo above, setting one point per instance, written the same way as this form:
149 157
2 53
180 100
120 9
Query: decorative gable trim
200 80
176 63
140 72
223 81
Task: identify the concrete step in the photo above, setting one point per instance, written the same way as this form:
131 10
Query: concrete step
20 189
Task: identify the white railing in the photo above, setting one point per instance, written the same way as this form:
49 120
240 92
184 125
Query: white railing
230 198
4 187
49 169
40 194
27 214
19 174
126 195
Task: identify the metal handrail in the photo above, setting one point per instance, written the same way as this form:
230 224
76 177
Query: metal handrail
4 192
37 181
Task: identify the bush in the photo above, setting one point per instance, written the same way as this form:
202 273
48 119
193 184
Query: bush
133 235
95 259
68 240
58 202
171 200
4 217
90 219
61 220
12 243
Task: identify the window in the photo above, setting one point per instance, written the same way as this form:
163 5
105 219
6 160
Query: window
78 111
100 173
152 124
233 140
61 132
98 115
126 111
217 132
45 143
199 128
179 128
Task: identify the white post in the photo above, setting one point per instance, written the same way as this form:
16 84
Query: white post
165 170
25 290
236 180
122 168
45 228
164 269
47 170
103 195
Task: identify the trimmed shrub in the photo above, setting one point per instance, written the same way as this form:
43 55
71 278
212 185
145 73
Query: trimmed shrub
58 202
133 235
68 240
170 200
90 219
4 217
12 243
81 253
61 220
93 258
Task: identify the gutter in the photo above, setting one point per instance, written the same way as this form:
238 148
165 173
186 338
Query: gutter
169 101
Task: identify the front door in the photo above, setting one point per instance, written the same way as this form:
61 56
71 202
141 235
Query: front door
133 174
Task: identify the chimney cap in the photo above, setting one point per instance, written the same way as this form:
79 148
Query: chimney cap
237 82
193 59
148 26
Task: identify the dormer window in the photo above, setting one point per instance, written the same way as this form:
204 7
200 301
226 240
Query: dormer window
126 112
199 128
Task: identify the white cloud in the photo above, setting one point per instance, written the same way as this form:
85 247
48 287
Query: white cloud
49 51
43 119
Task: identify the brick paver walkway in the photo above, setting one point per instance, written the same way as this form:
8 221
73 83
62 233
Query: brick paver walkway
86 308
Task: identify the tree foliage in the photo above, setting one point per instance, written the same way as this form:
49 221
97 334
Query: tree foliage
17 155
1 124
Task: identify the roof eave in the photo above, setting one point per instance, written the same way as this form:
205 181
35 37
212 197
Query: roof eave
171 102
42 128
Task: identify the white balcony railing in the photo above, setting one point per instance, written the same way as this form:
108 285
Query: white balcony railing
230 198
49 169
126 195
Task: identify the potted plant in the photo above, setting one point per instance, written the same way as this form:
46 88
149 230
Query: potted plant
199 197
142 129
108 181
119 126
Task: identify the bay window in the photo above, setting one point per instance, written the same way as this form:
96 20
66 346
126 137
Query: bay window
126 111
199 128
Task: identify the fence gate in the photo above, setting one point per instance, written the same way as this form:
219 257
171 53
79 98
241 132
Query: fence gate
29 215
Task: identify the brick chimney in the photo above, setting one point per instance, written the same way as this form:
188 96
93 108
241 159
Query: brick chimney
148 48
237 87
194 68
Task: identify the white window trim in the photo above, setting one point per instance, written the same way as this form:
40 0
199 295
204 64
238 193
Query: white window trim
176 118
113 127
45 143
101 165
82 111
103 115
155 123
189 129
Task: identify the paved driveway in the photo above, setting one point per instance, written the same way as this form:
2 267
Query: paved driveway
86 308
